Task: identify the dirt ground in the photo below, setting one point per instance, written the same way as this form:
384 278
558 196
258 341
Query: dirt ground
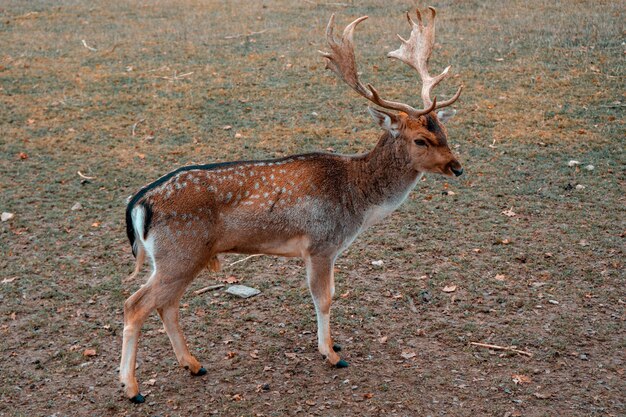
532 248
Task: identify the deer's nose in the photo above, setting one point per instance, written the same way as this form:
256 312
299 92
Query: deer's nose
457 171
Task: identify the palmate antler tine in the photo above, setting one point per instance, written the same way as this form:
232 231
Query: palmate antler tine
341 61
416 52
451 100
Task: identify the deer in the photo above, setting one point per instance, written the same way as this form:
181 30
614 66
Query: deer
312 206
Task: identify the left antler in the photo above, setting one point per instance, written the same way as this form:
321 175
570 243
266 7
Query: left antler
416 51
341 61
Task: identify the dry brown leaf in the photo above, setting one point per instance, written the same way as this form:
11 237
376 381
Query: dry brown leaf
231 279
345 294
383 340
254 354
230 354
290 355
368 395
89 352
500 277
521 379
449 288
150 382
408 355
542 396
509 212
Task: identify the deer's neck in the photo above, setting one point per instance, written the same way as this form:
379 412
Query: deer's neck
385 176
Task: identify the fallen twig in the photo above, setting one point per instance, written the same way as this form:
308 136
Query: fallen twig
507 348
327 4
244 259
242 35
135 126
83 176
110 51
177 77
88 47
209 288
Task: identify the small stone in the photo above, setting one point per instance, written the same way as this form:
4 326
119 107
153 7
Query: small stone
583 357
77 206
580 187
242 291
377 263
6 216
573 163
553 302
238 136
590 167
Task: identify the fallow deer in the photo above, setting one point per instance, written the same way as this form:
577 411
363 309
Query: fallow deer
310 206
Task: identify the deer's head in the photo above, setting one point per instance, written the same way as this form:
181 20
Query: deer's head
420 132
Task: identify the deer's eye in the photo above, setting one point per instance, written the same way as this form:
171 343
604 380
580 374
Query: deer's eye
421 142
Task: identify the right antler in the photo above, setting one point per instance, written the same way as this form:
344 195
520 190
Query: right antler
414 52
341 61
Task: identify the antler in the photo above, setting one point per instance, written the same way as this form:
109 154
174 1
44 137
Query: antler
342 62
416 52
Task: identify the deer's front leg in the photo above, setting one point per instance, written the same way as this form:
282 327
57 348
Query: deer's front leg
321 283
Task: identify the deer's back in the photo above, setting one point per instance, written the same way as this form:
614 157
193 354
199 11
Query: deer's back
275 206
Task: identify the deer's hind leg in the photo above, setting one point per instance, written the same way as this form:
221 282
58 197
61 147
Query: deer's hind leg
162 292
169 316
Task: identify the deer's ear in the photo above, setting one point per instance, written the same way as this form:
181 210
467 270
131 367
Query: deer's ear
445 115
389 122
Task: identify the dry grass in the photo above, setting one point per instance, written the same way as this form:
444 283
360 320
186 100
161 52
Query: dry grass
544 84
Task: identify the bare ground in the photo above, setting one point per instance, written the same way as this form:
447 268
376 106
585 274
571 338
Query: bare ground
544 85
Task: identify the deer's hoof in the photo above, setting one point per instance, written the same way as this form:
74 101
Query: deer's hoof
138 399
341 364
336 347
200 372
